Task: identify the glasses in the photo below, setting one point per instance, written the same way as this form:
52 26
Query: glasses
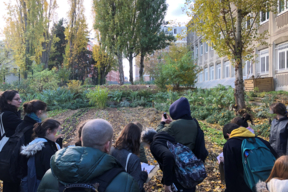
18 99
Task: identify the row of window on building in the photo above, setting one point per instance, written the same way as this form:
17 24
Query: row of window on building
263 66
203 48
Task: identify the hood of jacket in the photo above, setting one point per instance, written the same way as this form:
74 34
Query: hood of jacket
278 185
241 132
261 187
162 138
81 164
33 147
180 109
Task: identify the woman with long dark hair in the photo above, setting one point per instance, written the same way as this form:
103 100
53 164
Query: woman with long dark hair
35 111
10 103
39 152
126 151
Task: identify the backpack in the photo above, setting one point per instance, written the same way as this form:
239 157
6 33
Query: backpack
189 170
98 184
257 160
30 183
10 157
200 150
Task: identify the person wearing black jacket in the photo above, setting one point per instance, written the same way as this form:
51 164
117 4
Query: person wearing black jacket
35 111
40 151
234 172
165 159
10 102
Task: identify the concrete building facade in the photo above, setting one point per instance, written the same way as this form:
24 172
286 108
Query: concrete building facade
271 60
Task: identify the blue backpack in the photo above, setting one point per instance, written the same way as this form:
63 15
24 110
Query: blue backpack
189 170
257 160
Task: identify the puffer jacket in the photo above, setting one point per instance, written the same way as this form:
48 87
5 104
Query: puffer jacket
82 165
278 136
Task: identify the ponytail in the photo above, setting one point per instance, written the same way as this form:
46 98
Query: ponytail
34 106
242 121
40 129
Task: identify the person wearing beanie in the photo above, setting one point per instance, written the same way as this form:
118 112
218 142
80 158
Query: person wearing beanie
183 128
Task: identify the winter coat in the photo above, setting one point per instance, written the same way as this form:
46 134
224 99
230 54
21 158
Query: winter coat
233 160
27 122
279 135
274 185
43 149
11 119
133 166
82 165
184 128
165 159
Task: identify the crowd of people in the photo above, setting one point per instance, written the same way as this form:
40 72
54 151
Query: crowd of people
95 163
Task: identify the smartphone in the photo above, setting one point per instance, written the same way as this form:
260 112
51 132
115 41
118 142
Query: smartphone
165 115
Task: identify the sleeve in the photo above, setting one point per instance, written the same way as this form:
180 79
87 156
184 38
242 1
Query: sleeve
143 157
230 169
160 127
168 163
137 173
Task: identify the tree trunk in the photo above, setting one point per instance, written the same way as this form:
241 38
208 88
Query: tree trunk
131 68
47 49
141 70
120 63
239 84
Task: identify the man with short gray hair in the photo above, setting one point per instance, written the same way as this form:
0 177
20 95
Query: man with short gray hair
86 164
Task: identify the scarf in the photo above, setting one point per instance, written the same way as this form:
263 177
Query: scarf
34 117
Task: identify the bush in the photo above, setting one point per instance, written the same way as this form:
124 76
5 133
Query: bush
262 129
74 86
98 97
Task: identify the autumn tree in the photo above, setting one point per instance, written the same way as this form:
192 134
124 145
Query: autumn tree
27 30
6 61
232 27
112 20
151 36
77 36
104 63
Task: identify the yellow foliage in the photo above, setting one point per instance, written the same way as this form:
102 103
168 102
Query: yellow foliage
74 85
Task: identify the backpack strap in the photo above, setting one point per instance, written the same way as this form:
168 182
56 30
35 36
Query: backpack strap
102 182
127 161
2 130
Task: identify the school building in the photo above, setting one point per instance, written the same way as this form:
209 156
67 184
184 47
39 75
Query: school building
271 60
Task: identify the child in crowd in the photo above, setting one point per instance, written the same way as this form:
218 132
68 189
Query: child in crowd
39 152
126 151
279 129
233 166
278 179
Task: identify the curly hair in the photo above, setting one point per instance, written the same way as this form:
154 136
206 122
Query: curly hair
129 138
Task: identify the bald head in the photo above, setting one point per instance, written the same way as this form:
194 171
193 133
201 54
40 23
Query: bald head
96 134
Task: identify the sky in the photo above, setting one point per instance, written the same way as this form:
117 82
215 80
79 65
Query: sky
174 13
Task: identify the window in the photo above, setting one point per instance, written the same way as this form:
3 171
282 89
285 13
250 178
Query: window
264 16
206 74
282 5
206 48
218 71
200 76
227 70
175 31
232 71
264 61
201 49
211 73
282 60
196 51
212 45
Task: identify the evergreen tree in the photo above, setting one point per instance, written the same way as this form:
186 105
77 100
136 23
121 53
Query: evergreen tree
58 49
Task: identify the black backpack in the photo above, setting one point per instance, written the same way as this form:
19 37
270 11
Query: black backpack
200 150
10 157
98 184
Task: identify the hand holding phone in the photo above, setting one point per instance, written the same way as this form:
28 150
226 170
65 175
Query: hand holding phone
165 115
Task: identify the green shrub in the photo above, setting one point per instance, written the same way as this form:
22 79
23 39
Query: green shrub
262 129
98 97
